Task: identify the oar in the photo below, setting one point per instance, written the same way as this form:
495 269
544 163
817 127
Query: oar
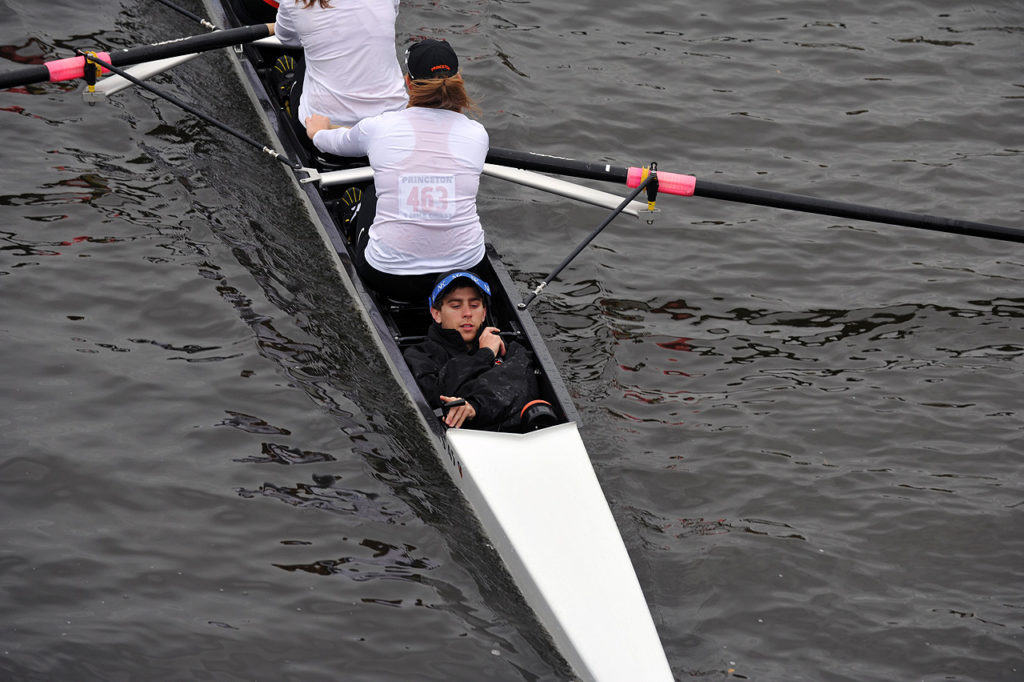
74 67
650 181
571 190
112 85
115 84
546 183
688 185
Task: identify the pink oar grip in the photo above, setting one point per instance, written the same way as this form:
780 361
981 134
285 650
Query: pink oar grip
72 67
668 183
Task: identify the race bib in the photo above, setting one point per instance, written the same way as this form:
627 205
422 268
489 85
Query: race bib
426 197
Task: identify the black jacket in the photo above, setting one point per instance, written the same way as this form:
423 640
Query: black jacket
497 390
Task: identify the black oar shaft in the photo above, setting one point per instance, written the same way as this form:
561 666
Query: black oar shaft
25 75
68 68
757 197
200 43
839 209
556 164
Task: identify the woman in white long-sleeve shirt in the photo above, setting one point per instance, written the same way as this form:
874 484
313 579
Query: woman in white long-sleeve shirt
427 162
351 71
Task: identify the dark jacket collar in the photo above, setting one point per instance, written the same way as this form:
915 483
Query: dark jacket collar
451 339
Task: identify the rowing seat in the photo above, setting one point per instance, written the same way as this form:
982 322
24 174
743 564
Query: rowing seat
407 321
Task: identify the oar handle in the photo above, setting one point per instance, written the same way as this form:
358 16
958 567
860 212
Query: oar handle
74 67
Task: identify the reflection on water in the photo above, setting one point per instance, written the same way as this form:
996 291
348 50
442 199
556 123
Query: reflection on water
386 562
327 496
283 454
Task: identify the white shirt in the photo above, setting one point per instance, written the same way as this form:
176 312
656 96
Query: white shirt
427 165
352 71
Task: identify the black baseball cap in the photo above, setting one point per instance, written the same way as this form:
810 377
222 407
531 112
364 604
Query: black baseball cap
431 59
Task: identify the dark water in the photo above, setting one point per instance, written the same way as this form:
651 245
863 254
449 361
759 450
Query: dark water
809 429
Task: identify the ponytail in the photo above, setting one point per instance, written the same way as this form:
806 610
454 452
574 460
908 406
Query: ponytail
442 93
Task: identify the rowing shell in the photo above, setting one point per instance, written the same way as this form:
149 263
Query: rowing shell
535 495
540 503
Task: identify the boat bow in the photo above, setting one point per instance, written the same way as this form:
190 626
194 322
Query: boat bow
540 502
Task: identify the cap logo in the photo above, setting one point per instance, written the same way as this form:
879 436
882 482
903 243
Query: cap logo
431 58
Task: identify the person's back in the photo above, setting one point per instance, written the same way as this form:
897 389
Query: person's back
351 68
426 219
421 218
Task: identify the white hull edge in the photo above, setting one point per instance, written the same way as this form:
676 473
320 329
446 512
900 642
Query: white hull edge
540 503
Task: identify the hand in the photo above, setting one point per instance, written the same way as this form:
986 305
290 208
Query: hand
316 123
489 339
457 415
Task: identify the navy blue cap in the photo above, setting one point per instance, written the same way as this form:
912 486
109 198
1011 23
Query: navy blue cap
447 281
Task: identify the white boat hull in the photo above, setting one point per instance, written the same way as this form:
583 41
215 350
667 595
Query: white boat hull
541 505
